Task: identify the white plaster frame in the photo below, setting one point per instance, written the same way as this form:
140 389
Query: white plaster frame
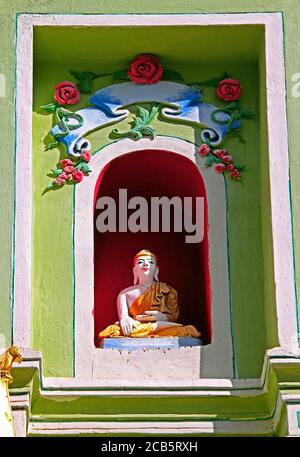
277 139
216 358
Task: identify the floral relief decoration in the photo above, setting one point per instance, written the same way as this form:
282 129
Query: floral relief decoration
146 71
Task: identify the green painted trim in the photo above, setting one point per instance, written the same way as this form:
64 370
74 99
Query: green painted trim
290 356
298 418
294 262
156 14
73 282
142 417
230 416
289 182
148 389
234 365
268 403
13 240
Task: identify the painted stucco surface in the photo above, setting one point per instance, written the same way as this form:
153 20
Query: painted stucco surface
52 292
52 267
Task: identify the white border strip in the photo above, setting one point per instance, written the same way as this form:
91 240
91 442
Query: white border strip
23 191
245 427
279 184
293 425
216 358
117 20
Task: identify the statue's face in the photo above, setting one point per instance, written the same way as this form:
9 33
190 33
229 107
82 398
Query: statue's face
145 267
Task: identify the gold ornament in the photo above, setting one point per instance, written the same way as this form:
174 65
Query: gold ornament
10 356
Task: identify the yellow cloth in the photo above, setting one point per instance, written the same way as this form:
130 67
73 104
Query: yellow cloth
6 420
158 297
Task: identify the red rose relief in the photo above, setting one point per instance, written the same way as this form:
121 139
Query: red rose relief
204 150
66 162
145 69
220 168
86 156
77 176
66 93
229 90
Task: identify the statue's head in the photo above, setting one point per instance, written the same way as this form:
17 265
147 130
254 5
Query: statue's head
145 266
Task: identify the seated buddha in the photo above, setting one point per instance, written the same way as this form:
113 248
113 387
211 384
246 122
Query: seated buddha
149 308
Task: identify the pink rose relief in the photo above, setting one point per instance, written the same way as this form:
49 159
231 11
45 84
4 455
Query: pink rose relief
227 158
230 167
69 169
219 153
63 175
235 174
86 156
66 162
220 168
59 181
77 176
204 150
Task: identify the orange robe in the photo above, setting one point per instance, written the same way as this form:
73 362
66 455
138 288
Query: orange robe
158 297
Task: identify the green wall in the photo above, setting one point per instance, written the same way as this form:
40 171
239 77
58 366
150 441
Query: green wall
52 293
52 278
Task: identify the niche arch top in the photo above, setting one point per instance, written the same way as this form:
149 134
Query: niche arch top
213 360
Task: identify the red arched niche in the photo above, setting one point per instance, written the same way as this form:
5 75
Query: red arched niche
184 266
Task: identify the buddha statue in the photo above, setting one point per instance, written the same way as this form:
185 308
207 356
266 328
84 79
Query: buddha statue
149 308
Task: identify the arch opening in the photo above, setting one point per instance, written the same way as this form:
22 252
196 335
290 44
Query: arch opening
184 266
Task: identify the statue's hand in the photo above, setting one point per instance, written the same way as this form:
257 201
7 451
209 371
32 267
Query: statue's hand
128 325
157 315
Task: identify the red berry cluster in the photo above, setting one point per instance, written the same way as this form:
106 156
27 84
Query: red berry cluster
224 158
69 170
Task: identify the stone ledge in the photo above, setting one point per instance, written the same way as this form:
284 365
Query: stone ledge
135 344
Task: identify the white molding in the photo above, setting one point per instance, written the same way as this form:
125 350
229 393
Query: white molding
166 20
278 153
293 426
292 398
264 427
20 406
279 184
223 387
214 360
23 190
39 423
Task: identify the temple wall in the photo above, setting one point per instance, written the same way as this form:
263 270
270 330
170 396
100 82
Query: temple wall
253 316
53 263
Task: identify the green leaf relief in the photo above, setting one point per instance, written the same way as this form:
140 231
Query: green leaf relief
57 172
210 160
52 145
239 166
214 82
172 75
141 126
50 108
246 114
120 75
85 168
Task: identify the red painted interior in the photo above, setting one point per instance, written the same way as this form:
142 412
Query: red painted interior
184 266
